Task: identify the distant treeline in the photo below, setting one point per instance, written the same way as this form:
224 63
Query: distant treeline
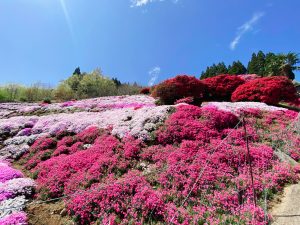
77 86
262 64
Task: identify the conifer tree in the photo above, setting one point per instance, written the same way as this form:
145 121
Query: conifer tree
237 68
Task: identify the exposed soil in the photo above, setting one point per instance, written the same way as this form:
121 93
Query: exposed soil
53 213
48 214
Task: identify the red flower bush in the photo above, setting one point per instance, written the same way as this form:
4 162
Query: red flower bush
193 123
145 91
179 87
270 90
222 86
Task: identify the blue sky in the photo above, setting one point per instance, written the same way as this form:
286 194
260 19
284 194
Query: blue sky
143 40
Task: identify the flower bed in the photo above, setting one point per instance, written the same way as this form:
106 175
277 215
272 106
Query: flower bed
124 180
14 190
131 161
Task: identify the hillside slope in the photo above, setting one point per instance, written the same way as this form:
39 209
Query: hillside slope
123 160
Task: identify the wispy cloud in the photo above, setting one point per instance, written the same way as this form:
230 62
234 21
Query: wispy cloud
245 28
138 3
153 73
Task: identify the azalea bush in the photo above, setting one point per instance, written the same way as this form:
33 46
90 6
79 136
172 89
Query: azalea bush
179 87
222 86
145 91
270 90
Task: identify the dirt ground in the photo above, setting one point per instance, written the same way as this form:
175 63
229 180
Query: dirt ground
48 214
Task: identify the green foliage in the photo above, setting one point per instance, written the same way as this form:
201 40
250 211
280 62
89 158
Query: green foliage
257 64
128 89
34 93
281 65
262 64
237 68
117 82
3 95
64 92
77 71
95 85
91 85
74 82
37 92
215 70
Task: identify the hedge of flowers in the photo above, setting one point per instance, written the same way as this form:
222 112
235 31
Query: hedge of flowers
225 87
270 90
221 87
179 87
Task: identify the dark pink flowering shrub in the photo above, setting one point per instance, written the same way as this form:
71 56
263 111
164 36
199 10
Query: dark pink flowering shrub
43 143
179 87
132 147
89 135
71 169
270 90
129 199
222 86
193 123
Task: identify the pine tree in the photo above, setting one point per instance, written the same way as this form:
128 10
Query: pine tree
77 71
260 63
221 69
237 68
253 65
214 70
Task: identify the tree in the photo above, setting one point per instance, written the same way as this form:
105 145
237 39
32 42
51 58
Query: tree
281 64
260 63
12 90
237 68
214 70
221 68
116 81
257 64
64 92
77 71
96 85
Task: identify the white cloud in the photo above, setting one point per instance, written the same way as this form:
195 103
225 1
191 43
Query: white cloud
153 73
138 3
246 27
